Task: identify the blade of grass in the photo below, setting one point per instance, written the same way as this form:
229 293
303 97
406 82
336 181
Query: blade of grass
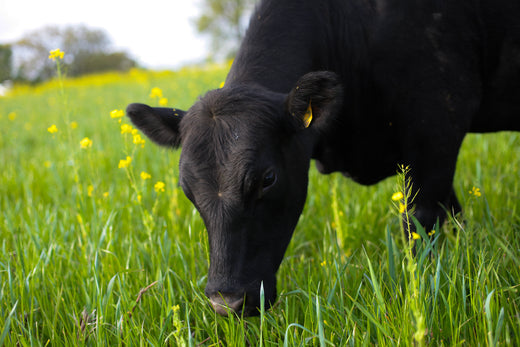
321 335
489 319
391 260
7 323
375 286
262 312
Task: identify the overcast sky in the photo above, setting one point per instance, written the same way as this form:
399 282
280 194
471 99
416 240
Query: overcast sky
157 33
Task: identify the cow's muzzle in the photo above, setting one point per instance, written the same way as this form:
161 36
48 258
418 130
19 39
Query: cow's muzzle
240 304
224 304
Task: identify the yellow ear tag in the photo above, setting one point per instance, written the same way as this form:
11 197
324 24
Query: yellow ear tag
307 117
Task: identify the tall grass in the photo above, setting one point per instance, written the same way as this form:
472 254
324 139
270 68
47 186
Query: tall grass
92 254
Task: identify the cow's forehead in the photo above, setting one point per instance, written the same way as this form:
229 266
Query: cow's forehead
228 139
224 119
230 132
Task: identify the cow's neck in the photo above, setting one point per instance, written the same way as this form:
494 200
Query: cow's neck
287 39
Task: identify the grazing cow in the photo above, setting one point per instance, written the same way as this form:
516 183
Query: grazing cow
358 85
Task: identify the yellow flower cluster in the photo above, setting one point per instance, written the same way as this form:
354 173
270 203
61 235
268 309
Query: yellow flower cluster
132 76
124 163
137 139
416 236
56 53
117 114
126 129
158 93
476 192
85 143
52 129
398 196
159 187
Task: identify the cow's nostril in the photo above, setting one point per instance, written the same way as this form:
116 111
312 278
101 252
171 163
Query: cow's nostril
222 303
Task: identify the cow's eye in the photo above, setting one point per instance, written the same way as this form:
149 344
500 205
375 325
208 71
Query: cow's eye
268 180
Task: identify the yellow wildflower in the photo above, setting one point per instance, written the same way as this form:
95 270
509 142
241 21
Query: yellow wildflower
145 175
138 140
159 187
222 85
117 113
124 163
402 207
85 143
126 129
156 93
52 129
12 115
57 53
73 125
475 191
431 233
323 263
163 101
397 196
47 164
139 198
90 189
415 236
105 194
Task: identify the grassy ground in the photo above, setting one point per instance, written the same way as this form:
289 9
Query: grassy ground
93 254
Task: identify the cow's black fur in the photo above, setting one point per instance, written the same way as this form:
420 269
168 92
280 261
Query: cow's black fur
389 82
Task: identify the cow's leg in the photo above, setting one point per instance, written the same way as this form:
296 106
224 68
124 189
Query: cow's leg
432 142
432 179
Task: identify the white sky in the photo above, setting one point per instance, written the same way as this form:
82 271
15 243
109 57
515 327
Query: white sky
157 33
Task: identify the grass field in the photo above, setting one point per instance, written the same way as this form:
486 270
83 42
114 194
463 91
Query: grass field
94 252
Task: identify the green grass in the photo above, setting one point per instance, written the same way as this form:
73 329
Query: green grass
84 262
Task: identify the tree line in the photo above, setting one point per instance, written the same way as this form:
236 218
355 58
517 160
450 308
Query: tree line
90 50
87 50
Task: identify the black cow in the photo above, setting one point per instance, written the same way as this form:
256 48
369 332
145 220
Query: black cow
358 85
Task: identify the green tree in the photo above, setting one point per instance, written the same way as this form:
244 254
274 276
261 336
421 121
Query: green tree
6 62
86 62
225 22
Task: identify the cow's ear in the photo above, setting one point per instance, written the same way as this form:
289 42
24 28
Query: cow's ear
160 124
315 100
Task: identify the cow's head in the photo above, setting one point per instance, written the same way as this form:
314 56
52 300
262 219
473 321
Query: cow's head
244 165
